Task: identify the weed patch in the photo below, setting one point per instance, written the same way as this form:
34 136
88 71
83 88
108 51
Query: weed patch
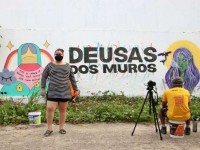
100 107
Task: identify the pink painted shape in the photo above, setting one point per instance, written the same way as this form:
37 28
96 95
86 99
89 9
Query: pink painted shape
28 77
29 67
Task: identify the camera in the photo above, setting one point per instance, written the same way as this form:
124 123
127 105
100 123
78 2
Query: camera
151 84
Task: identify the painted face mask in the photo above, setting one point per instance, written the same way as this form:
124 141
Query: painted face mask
58 57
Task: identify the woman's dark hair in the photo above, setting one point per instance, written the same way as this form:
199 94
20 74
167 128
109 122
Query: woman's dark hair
59 49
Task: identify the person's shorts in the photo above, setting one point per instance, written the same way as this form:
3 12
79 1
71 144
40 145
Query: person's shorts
58 99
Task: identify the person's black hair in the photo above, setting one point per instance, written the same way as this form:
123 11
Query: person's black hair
60 49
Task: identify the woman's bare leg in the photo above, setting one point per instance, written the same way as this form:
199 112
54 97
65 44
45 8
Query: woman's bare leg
62 107
51 106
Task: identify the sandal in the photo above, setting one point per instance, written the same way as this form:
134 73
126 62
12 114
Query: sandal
62 131
47 133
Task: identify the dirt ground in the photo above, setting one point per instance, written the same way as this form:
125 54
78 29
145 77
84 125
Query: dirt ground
98 136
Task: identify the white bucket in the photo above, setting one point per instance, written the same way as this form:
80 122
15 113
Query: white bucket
34 118
176 129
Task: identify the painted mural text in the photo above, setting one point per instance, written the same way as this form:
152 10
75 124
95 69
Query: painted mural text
118 60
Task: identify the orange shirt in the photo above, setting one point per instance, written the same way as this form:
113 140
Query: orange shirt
177 99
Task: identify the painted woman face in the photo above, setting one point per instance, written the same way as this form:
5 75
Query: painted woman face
182 63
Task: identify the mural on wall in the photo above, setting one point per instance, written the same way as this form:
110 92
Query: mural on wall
183 60
26 78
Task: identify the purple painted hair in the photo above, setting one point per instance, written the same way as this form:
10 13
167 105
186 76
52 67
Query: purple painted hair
191 76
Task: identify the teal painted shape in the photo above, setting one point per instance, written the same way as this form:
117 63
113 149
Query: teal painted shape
11 89
35 90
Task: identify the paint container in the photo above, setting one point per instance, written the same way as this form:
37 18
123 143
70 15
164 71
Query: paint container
34 118
176 129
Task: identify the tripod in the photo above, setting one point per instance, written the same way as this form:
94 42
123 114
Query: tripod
152 104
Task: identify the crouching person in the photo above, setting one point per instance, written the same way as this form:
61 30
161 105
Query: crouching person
175 105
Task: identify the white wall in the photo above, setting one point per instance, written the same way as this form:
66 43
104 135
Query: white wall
136 15
113 23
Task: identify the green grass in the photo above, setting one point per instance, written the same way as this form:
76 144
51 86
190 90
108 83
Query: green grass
100 107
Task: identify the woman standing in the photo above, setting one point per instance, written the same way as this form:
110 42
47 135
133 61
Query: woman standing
59 75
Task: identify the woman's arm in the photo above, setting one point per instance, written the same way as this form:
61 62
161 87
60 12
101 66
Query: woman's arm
45 75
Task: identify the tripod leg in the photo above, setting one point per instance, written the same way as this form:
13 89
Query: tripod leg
161 138
154 113
154 116
150 105
139 114
156 120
